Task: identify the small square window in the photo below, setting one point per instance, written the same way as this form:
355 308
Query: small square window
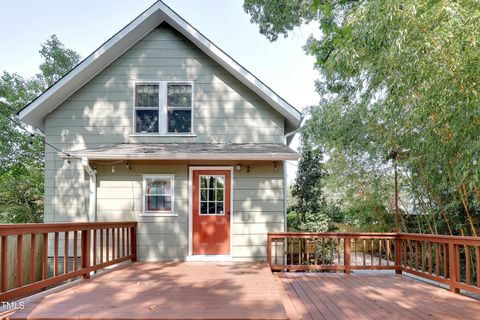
158 194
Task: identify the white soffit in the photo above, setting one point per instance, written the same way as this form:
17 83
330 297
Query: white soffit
34 113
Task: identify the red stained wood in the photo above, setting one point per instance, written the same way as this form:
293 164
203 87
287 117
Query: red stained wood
65 255
167 291
19 260
3 278
33 254
371 296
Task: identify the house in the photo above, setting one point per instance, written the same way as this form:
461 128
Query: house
162 127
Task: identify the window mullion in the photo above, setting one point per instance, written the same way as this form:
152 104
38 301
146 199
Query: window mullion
162 99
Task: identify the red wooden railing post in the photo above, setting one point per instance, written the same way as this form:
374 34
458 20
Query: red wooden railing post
398 254
133 237
452 258
346 254
86 253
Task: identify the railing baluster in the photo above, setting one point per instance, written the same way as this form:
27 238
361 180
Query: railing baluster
3 280
19 260
291 251
123 241
101 245
364 254
316 251
94 262
323 251
65 254
45 256
423 256
388 252
477 263
75 250
437 259
372 244
467 260
416 255
55 255
429 246
445 266
107 245
380 252
113 243
307 249
356 256
33 256
118 243
338 251
331 253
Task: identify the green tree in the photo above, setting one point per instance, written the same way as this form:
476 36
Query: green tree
309 209
21 147
401 75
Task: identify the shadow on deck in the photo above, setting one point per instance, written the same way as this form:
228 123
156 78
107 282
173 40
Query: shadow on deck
165 291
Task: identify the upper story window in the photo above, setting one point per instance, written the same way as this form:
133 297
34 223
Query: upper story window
163 107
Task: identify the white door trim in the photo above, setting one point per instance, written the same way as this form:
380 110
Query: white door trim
190 256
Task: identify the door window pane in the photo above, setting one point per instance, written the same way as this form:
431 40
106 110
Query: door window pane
212 195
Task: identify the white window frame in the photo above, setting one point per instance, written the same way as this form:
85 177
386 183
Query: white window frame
146 212
163 108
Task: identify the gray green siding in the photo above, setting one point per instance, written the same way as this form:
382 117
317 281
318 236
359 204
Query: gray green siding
100 114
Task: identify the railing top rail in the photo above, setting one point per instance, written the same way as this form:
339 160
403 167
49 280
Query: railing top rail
463 240
28 228
331 234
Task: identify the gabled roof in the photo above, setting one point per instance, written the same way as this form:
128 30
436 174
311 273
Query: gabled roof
34 113
188 151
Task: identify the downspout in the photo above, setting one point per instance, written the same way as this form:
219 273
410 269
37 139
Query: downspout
285 180
92 190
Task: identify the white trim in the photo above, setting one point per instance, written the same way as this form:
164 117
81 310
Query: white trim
166 135
144 188
184 156
190 209
34 113
209 258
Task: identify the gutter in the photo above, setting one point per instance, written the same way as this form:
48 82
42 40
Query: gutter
92 190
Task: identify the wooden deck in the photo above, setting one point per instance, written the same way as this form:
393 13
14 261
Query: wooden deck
371 296
166 291
245 291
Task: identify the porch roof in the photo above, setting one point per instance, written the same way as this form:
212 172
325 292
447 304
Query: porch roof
189 151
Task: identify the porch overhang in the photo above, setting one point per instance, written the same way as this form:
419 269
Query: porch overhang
188 151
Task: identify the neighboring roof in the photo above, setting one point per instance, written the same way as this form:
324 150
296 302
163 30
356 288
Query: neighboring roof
188 151
34 113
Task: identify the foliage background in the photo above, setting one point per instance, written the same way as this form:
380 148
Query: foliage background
21 147
397 76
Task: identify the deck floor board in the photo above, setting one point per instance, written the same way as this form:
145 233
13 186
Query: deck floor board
373 296
188 290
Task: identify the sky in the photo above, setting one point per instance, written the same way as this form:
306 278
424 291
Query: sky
84 25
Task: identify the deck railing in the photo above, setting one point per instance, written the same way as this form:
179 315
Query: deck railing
69 250
451 260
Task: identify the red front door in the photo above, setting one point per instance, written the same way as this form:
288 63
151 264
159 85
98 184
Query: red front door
211 212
